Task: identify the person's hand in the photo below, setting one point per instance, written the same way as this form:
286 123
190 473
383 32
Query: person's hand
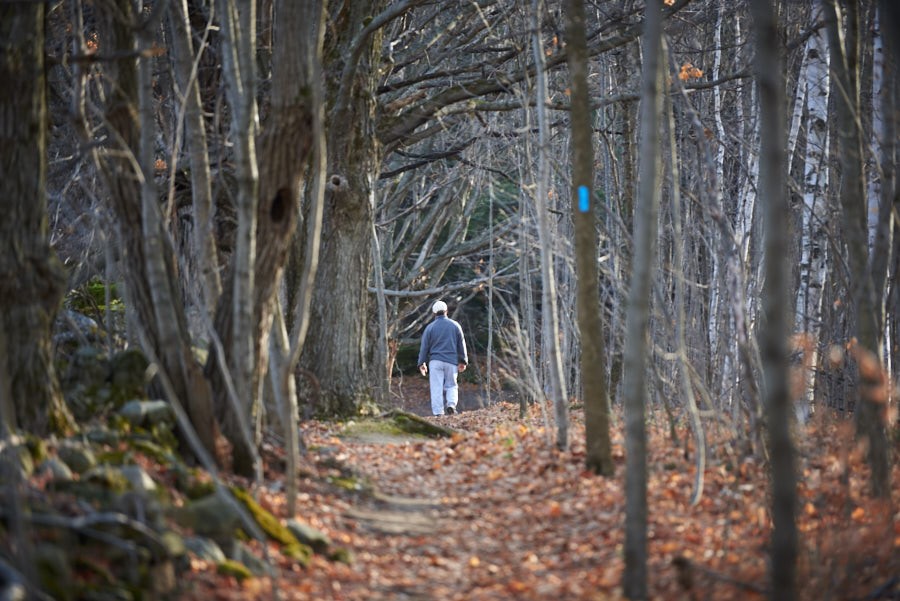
423 369
461 367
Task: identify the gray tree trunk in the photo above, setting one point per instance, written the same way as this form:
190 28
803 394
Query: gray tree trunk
284 147
638 310
339 310
31 278
844 47
776 302
147 277
204 262
549 310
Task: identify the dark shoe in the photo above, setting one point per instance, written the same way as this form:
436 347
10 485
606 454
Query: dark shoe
451 410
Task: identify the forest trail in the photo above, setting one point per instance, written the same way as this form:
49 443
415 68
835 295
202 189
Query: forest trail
495 512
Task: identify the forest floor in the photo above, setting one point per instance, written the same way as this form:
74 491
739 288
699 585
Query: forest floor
496 512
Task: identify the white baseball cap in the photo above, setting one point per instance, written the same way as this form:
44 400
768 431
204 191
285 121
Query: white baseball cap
439 306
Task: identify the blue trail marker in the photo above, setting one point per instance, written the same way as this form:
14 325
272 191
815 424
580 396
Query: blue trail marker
584 199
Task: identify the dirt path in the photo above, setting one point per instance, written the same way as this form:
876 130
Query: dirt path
410 516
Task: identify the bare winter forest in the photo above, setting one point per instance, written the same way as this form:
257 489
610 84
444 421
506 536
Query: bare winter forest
670 230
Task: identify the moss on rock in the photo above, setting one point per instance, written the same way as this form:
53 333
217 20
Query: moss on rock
273 528
229 567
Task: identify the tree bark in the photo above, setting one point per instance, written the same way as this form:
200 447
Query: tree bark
844 47
204 260
284 150
147 276
776 303
638 310
550 339
339 311
31 277
593 367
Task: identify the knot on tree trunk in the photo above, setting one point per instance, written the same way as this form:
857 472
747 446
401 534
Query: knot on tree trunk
337 183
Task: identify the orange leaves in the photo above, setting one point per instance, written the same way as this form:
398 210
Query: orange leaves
689 71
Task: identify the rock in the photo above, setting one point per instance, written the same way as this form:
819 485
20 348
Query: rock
211 516
108 477
77 456
73 328
310 536
147 413
205 549
242 553
128 373
12 583
16 456
56 469
54 574
139 479
103 436
230 567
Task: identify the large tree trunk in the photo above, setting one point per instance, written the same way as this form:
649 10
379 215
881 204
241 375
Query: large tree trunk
593 368
31 278
339 312
638 311
776 303
284 148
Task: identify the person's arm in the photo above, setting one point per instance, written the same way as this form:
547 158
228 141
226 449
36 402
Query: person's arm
463 355
423 353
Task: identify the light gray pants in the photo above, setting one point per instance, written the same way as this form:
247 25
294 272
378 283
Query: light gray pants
442 378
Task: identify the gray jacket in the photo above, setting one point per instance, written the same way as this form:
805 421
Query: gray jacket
443 340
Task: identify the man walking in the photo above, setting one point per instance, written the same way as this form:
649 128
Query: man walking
441 356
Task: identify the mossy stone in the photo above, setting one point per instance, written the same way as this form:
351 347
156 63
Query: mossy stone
108 477
341 555
308 535
211 516
77 456
273 528
229 567
299 552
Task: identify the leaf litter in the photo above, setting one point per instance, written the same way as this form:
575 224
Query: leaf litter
496 512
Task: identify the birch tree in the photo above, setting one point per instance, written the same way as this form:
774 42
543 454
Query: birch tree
814 244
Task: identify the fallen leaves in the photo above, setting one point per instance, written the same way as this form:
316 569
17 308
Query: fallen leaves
513 518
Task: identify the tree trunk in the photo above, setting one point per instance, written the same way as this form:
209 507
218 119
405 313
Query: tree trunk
776 303
147 276
814 245
638 311
593 367
204 264
844 47
550 340
31 278
284 150
339 311
235 314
